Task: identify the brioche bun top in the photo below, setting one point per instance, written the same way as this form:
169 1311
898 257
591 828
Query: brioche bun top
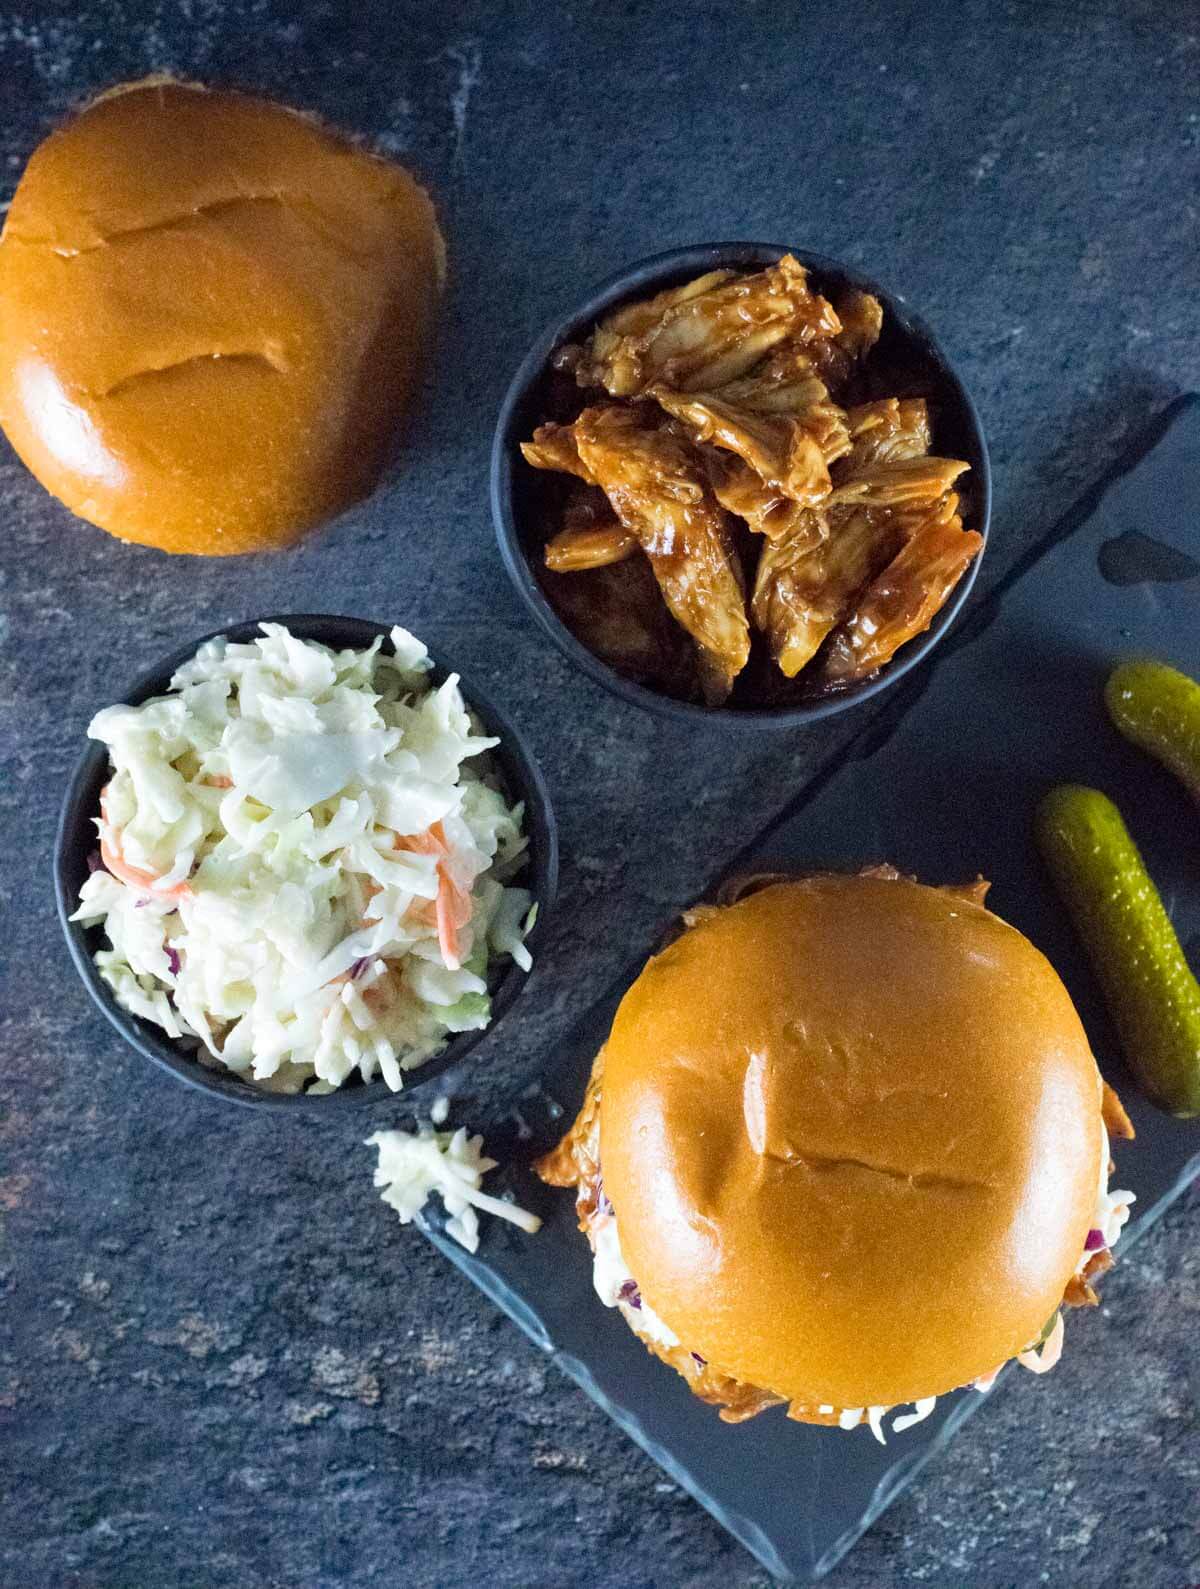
212 312
851 1131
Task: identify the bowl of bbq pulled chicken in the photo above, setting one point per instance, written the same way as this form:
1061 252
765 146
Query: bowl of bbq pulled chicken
742 481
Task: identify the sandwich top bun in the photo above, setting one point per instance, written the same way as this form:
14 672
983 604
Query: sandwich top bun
851 1131
212 312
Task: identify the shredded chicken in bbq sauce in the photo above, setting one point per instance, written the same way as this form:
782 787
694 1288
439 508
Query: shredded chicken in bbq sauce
662 499
719 420
695 340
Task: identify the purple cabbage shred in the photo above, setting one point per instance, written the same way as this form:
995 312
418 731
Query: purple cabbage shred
1095 1239
630 1295
173 959
359 967
702 1361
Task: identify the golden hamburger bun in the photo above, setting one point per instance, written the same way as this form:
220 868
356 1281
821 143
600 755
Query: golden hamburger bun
212 312
851 1131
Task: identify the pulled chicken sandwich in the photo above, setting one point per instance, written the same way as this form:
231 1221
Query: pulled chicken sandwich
845 1150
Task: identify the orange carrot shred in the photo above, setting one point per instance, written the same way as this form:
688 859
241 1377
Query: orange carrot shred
115 862
454 906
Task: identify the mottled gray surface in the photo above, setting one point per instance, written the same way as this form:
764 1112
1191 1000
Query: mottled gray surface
222 1362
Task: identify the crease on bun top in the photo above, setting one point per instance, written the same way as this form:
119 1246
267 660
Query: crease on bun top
213 312
169 80
854 1138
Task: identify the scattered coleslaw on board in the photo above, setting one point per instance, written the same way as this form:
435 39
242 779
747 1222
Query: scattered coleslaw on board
305 861
414 1165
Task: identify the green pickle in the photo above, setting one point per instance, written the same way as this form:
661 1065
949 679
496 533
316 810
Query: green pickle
1158 708
1152 995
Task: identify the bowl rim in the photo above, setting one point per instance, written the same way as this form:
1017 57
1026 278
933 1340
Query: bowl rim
74 841
657 271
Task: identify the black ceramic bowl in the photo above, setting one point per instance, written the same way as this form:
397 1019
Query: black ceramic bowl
519 492
77 839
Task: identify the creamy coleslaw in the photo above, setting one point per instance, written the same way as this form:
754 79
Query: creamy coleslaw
305 861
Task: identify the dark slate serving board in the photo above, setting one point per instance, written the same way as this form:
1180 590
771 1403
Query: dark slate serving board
943 786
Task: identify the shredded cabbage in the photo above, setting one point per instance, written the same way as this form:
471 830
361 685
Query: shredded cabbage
413 1166
305 861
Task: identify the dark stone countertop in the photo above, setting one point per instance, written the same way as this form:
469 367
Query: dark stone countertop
222 1362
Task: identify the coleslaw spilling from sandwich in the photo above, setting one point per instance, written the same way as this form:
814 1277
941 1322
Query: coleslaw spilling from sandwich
575 1162
305 863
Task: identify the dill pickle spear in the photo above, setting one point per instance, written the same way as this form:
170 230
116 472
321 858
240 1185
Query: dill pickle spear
1151 993
1158 708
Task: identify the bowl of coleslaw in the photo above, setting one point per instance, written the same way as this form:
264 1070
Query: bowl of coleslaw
302 864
